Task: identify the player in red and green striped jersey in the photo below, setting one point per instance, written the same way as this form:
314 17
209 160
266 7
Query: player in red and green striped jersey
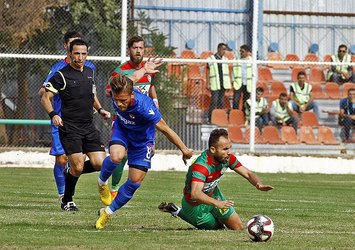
144 85
203 204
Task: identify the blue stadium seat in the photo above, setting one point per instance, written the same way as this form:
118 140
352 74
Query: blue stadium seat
190 44
352 49
273 47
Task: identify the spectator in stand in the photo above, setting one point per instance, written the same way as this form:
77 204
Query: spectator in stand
301 95
242 73
281 112
219 78
341 73
262 116
347 114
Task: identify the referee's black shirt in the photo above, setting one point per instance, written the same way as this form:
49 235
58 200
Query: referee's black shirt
76 90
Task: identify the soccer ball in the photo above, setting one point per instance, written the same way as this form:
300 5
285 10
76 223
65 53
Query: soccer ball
260 228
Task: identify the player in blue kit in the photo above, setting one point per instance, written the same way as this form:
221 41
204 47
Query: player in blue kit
133 130
57 150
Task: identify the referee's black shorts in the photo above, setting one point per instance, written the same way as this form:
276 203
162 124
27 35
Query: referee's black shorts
80 138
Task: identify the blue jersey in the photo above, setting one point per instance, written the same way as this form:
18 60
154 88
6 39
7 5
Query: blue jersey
138 122
57 102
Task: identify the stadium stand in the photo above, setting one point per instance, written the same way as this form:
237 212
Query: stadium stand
292 57
277 88
307 136
276 56
188 54
317 92
236 135
309 119
219 117
236 118
264 74
316 75
258 137
205 54
288 135
326 136
346 86
332 90
271 135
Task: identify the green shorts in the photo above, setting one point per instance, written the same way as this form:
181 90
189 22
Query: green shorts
205 216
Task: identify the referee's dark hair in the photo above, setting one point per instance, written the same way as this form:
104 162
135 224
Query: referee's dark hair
215 135
134 39
120 83
77 42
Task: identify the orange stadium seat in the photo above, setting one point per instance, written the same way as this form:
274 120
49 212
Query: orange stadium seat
307 136
258 138
316 75
188 54
317 92
288 135
346 87
229 55
277 88
332 90
326 136
206 54
236 118
292 57
271 135
203 101
235 134
219 117
276 56
265 75
264 86
311 58
309 119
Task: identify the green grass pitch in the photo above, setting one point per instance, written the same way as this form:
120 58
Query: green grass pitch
310 211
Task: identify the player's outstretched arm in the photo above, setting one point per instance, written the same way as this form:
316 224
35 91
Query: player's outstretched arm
252 178
150 67
175 139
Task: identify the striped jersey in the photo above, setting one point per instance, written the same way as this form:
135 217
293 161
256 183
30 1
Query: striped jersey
142 85
205 170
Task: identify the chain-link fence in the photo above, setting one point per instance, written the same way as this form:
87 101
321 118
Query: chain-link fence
196 44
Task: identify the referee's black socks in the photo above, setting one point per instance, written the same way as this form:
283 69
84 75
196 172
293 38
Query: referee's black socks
70 183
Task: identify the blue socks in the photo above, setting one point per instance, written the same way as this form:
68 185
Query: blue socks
59 178
125 194
107 168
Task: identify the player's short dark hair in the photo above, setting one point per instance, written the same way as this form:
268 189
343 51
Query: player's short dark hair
120 83
77 42
259 90
215 135
301 73
220 45
134 39
245 47
71 34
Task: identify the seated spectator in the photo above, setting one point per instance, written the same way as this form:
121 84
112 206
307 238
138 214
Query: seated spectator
281 112
301 95
347 114
341 73
261 110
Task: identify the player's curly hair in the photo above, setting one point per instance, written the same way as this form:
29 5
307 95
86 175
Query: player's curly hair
215 135
120 83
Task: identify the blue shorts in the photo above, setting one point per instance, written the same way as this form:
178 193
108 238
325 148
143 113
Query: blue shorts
139 156
57 148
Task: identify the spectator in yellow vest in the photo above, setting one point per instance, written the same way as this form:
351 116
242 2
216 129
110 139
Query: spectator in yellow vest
281 112
341 73
219 78
301 95
242 73
262 116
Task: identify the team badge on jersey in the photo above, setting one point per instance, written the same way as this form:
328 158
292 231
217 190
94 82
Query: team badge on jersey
132 116
151 112
149 78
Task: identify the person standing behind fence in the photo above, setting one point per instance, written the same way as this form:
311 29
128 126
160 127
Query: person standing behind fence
341 73
75 84
347 114
219 78
301 95
281 112
242 73
262 116
145 85
57 149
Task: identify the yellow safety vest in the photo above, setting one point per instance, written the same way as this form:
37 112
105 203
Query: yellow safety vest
335 58
237 74
302 95
214 75
259 106
281 113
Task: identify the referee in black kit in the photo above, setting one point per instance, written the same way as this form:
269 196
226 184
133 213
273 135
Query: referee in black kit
75 85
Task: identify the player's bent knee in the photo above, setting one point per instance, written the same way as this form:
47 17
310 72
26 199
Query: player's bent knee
61 160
